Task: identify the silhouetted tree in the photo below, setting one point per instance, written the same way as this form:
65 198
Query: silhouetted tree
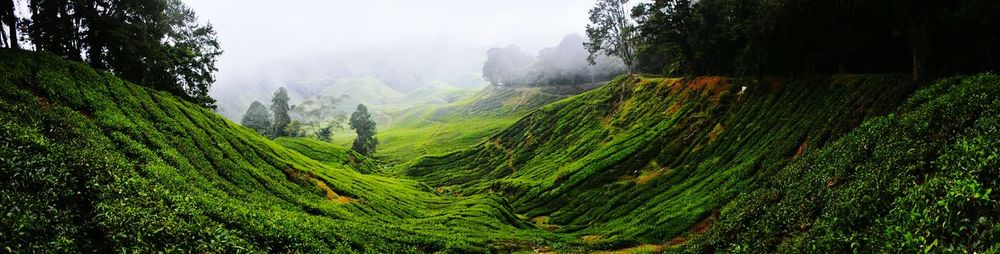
155 43
667 27
566 64
362 123
503 64
612 30
258 118
8 18
279 111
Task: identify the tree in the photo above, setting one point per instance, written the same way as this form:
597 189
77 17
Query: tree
612 30
257 118
325 133
155 43
566 64
294 129
8 18
667 27
191 52
279 111
362 123
503 64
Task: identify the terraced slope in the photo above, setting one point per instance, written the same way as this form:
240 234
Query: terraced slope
922 179
90 162
652 160
852 163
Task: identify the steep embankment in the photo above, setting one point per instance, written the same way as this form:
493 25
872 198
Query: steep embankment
90 162
439 129
658 161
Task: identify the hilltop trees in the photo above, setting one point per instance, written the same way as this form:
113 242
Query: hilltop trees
564 64
155 43
612 30
316 117
567 64
279 110
787 37
503 64
258 118
362 123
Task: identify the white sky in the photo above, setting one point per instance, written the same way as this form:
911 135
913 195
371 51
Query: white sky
261 37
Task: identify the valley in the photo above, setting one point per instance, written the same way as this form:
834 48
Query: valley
640 163
518 126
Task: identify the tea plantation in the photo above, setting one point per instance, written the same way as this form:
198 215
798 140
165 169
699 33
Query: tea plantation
829 164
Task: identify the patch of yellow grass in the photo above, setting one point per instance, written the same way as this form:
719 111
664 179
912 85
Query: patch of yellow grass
715 132
542 222
646 177
645 248
591 238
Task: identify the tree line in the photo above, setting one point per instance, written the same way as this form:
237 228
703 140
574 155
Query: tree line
786 37
276 120
155 43
564 64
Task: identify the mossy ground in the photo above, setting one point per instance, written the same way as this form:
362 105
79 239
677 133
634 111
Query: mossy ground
862 163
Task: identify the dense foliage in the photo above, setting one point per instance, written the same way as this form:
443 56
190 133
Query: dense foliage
735 37
613 31
258 118
279 114
157 43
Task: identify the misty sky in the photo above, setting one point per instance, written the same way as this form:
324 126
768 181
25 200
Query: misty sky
288 39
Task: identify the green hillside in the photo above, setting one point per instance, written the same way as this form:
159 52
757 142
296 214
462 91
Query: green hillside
439 129
94 163
366 90
331 154
780 166
848 163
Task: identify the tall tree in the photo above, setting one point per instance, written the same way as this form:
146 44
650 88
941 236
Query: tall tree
667 27
258 118
362 123
613 31
156 43
191 51
279 111
9 18
503 65
52 27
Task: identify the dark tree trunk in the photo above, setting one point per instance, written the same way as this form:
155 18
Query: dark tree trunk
919 47
11 19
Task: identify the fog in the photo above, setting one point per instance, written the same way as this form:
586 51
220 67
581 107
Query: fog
309 45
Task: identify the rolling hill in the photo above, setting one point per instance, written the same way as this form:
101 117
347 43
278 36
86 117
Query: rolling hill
91 162
844 163
438 129
849 162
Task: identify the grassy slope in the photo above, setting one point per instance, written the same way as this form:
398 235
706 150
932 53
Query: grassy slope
822 165
647 160
439 129
92 162
330 154
923 179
